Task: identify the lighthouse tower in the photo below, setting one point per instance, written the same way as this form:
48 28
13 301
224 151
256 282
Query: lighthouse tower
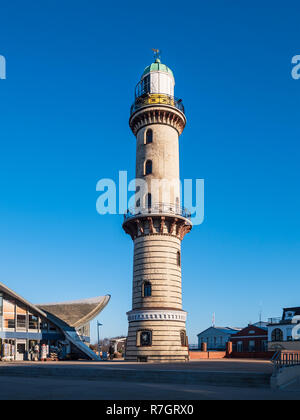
157 223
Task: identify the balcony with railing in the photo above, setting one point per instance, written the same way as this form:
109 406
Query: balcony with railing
156 99
274 321
158 209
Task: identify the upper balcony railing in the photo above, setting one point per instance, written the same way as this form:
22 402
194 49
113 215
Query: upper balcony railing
274 321
156 99
158 208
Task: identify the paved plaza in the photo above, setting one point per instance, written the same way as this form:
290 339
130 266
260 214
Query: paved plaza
215 365
22 388
119 380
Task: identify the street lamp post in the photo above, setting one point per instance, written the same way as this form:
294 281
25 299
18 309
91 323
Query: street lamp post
98 326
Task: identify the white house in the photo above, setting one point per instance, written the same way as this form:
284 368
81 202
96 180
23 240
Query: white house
284 332
216 337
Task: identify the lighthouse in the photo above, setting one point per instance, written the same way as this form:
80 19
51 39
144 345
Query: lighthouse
157 223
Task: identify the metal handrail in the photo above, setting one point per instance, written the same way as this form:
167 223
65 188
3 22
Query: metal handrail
275 356
154 99
282 359
158 208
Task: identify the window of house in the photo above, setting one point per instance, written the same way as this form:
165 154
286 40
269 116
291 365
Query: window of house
21 317
289 315
44 325
148 167
147 289
289 336
277 335
239 346
251 346
9 321
21 322
9 316
33 322
149 136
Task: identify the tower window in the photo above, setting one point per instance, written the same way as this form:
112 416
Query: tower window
147 289
148 167
149 136
178 258
149 201
183 337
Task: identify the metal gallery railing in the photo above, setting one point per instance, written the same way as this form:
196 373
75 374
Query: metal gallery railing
156 99
158 208
274 321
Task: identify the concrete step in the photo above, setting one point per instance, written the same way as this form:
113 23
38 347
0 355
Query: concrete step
238 379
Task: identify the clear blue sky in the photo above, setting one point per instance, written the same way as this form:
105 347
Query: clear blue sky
71 71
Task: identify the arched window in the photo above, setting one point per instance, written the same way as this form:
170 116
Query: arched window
148 167
147 289
178 258
183 337
149 201
277 335
149 136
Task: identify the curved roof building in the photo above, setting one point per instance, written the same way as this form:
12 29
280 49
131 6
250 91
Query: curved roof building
76 313
65 325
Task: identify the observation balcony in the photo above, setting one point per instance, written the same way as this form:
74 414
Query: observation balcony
158 209
274 321
156 99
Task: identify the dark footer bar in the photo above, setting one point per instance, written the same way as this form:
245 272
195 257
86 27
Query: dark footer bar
146 409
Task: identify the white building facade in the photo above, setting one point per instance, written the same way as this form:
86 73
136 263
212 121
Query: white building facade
284 332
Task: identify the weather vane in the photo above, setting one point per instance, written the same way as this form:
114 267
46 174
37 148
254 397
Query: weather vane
156 53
